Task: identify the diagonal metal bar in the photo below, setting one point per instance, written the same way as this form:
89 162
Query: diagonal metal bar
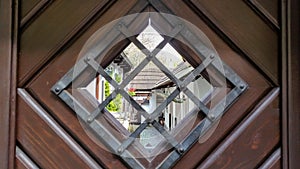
166 71
163 105
161 66
102 105
102 72
183 85
137 106
201 129
220 66
103 134
197 101
125 144
101 46
124 30
197 71
143 49
166 134
118 89
200 48
136 71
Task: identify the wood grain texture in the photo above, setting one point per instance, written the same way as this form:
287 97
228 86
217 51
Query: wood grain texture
34 12
41 143
290 84
8 46
25 161
57 128
48 51
277 165
26 6
256 39
294 85
19 164
265 14
272 160
258 88
50 31
250 142
42 83
272 6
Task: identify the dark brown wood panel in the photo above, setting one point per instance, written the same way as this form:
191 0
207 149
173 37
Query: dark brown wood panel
226 124
277 165
247 30
271 20
22 160
247 135
8 42
40 87
34 13
272 6
19 164
249 144
294 85
258 88
228 55
49 32
41 143
294 89
273 160
290 83
26 6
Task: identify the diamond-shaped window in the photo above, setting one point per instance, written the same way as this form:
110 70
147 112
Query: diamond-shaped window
150 87
151 93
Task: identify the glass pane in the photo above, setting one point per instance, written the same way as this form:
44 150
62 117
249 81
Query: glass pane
125 113
150 38
146 89
201 88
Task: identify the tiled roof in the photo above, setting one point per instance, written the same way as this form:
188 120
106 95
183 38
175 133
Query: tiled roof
146 79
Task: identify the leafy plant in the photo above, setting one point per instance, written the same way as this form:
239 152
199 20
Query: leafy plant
116 104
118 78
131 91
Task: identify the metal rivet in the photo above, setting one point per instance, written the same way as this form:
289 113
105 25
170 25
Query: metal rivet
90 119
242 86
57 89
211 116
88 59
120 26
181 149
120 150
212 57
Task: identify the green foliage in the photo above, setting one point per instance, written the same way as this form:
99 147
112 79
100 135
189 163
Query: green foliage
118 78
131 93
106 89
116 104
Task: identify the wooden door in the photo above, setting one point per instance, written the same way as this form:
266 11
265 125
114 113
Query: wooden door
246 35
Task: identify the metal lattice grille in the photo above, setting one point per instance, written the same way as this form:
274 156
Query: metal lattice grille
121 148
